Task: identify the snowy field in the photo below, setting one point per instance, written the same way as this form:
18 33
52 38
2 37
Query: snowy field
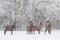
22 35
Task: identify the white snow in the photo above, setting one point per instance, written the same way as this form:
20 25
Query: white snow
22 35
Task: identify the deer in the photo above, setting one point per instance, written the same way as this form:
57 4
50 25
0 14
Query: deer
29 27
48 26
32 28
10 27
37 28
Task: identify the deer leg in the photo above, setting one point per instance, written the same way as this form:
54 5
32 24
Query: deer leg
38 31
4 32
11 32
49 31
33 30
45 30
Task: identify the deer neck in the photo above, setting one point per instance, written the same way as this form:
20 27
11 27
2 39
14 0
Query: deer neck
14 23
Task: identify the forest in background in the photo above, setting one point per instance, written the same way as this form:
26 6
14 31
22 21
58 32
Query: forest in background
25 10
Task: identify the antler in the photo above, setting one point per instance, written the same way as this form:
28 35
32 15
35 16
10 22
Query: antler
34 17
49 17
11 19
17 20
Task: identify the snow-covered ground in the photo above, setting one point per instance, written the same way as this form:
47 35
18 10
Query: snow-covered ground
22 35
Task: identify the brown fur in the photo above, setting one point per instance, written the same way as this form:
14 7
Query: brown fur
9 28
37 28
31 28
48 27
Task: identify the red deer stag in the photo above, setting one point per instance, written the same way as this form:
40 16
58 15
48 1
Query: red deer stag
48 26
29 27
32 28
10 27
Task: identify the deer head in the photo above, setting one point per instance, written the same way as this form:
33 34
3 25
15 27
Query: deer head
34 17
14 22
49 17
